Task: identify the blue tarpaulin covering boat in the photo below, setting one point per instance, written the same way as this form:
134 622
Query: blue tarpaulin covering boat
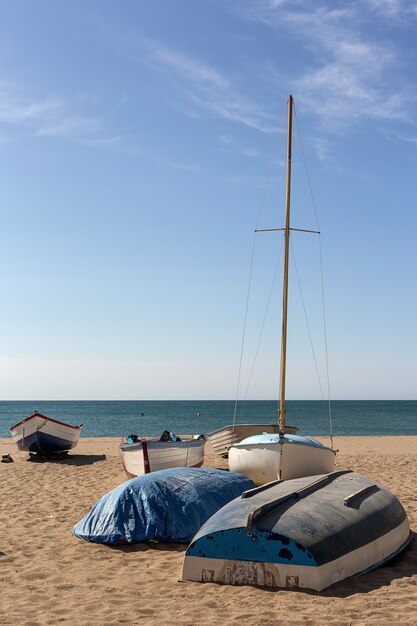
166 506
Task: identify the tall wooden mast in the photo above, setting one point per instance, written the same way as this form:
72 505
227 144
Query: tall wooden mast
285 281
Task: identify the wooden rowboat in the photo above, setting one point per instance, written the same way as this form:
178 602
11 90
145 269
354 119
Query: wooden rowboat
45 436
151 454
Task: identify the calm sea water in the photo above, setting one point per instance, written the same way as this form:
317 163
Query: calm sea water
116 419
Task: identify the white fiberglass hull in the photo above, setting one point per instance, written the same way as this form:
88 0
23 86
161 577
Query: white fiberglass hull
266 462
223 438
150 456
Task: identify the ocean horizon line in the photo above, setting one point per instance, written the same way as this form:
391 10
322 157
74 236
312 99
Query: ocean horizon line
213 400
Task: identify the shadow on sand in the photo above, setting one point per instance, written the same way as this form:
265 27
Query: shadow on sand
145 547
402 566
71 459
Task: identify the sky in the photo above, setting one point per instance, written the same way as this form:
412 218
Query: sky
141 143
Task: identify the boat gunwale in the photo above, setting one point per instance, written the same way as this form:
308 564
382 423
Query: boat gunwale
49 419
137 445
274 443
236 426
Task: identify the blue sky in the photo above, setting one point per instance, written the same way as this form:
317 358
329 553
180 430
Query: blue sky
136 142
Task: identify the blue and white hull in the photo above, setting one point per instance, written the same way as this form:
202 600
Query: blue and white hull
44 435
305 533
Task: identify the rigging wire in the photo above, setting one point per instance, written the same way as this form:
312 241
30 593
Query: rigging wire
263 322
306 319
321 276
261 206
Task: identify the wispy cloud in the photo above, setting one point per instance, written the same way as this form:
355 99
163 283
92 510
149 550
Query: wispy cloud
48 117
14 110
347 69
200 87
190 69
69 126
180 166
230 146
397 9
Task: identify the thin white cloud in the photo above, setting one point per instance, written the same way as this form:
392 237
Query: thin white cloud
72 127
397 9
14 110
230 146
180 166
106 142
188 68
199 87
49 117
349 74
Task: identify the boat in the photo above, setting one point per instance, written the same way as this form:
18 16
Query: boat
150 454
168 506
45 436
223 438
269 456
305 533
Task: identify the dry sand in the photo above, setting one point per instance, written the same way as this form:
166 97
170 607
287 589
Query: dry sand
47 576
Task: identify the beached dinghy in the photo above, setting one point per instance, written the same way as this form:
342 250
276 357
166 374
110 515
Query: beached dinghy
308 532
157 453
267 456
44 435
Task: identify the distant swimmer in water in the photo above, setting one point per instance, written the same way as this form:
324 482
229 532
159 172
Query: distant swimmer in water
198 414
142 414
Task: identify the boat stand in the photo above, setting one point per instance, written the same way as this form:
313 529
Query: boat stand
40 457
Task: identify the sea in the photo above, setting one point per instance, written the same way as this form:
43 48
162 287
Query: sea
151 418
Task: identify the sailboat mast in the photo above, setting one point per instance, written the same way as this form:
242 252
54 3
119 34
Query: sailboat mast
285 281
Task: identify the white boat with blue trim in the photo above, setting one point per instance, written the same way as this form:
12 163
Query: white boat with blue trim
45 436
306 533
269 456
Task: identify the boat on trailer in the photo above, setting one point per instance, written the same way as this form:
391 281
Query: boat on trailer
223 438
269 456
308 532
45 436
150 454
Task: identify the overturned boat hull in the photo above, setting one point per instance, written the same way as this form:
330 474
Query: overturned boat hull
153 455
223 438
44 435
305 533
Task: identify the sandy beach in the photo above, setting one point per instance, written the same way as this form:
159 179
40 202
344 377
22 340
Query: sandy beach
50 577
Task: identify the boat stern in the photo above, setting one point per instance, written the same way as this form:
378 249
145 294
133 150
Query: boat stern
239 557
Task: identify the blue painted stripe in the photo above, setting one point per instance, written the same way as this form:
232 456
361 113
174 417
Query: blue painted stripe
268 438
262 546
43 443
